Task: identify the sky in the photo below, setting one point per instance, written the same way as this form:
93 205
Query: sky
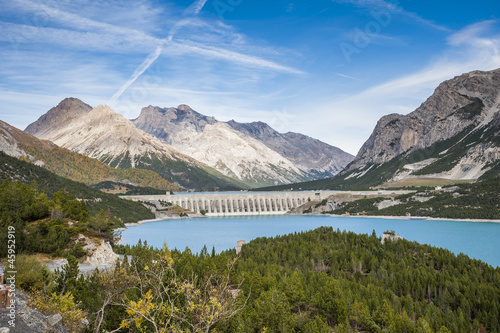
325 68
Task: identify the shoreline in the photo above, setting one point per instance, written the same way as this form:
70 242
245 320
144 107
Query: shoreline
392 217
158 219
388 217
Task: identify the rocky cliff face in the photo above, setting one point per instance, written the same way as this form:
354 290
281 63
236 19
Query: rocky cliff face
253 153
467 100
453 135
99 252
165 123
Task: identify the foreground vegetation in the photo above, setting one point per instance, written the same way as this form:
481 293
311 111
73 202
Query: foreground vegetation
318 281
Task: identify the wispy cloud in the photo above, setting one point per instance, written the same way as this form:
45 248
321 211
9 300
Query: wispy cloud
187 46
193 10
85 33
396 8
78 22
138 72
348 77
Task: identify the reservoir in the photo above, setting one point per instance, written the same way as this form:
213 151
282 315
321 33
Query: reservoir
478 240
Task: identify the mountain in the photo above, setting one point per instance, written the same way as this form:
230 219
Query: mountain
14 169
454 136
319 159
69 109
234 150
72 165
105 135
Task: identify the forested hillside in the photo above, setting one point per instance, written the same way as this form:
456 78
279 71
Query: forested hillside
13 169
47 225
321 279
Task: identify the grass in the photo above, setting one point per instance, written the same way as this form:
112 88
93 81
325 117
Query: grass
419 182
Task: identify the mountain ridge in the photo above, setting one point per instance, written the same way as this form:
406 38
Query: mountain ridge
256 161
307 153
103 134
438 118
453 136
72 165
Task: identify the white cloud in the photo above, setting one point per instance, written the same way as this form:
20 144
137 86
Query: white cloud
214 52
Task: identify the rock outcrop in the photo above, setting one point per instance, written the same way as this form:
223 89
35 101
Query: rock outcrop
99 253
389 237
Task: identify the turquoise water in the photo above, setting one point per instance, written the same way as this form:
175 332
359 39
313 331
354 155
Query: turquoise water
476 239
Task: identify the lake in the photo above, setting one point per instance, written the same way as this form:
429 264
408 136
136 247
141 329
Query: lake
479 240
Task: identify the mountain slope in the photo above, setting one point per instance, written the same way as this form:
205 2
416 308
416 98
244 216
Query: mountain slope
14 169
454 135
106 135
455 132
234 151
72 165
219 146
316 157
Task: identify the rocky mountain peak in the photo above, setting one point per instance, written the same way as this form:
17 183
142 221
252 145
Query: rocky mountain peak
163 122
256 129
185 108
463 101
104 111
66 111
259 145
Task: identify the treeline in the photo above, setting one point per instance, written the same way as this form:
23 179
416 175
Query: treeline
46 225
127 189
13 169
480 200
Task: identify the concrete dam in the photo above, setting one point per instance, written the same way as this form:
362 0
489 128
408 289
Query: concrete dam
239 203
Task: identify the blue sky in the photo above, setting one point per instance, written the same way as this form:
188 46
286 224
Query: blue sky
328 69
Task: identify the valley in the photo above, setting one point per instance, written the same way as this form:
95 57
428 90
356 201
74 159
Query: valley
256 220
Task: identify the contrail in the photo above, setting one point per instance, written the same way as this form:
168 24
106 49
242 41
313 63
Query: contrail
195 8
192 10
138 72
